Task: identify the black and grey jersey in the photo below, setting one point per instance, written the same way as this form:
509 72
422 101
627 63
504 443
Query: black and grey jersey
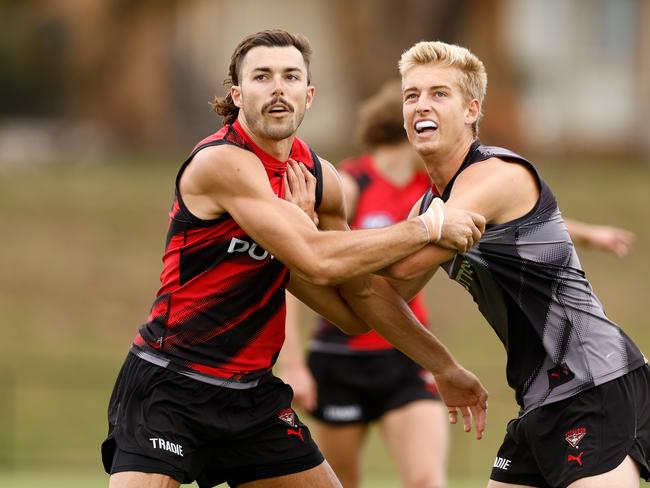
528 283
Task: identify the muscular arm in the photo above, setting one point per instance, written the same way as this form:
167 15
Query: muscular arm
498 190
227 179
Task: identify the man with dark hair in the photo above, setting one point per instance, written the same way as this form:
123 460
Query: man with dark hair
196 399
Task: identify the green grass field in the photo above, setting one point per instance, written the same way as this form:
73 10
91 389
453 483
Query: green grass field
80 261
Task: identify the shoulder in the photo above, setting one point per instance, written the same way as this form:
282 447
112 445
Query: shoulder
495 170
333 200
222 165
496 188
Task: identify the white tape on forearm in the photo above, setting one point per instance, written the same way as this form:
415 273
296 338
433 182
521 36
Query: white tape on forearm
433 219
427 223
439 206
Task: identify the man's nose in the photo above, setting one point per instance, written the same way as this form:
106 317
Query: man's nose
423 104
278 88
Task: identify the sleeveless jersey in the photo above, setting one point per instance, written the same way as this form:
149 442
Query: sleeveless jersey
380 203
220 310
528 283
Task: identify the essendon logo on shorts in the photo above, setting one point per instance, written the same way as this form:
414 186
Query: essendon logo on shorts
574 436
287 416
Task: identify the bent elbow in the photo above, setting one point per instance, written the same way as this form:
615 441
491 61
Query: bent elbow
400 272
319 273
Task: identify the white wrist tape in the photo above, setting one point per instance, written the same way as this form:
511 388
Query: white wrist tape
433 220
439 206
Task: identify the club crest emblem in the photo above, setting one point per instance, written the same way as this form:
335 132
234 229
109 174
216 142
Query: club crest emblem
574 436
287 416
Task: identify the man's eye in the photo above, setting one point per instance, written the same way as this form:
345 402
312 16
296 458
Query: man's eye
259 77
440 94
410 96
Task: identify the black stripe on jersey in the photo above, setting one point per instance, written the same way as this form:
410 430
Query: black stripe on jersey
193 261
363 180
426 201
317 171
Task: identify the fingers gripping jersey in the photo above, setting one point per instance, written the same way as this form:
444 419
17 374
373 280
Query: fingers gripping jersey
380 203
527 280
220 310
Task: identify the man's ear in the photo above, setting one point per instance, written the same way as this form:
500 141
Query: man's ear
235 94
311 91
473 111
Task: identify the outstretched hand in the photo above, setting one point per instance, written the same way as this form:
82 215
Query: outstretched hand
461 390
611 239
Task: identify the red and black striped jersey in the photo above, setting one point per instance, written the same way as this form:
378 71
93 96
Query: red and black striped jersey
220 309
380 203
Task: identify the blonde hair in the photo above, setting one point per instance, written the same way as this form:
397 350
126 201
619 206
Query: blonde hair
473 79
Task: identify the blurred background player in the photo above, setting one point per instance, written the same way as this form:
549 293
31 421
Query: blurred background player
347 382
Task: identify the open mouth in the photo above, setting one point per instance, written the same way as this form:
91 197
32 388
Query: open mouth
279 109
423 126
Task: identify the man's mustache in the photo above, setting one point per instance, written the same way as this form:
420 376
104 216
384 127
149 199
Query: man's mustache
277 101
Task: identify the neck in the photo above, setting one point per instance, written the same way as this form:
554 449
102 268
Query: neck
443 165
278 149
395 162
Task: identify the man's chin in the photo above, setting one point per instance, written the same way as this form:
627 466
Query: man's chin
278 132
425 148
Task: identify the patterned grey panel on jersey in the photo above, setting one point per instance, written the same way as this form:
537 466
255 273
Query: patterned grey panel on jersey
527 280
573 326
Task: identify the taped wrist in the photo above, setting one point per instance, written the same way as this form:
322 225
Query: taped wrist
433 220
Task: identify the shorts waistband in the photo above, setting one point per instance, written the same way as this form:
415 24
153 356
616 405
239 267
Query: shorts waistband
226 383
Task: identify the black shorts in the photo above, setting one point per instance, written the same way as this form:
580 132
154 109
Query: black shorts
160 421
585 435
363 387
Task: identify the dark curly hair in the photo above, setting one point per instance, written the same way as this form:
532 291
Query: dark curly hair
380 120
224 106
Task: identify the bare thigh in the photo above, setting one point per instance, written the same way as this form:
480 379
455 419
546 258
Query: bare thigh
417 436
134 479
341 446
625 475
321 476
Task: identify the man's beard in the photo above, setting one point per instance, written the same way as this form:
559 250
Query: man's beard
279 130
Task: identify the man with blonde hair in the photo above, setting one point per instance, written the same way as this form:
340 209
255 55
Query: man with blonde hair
580 381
